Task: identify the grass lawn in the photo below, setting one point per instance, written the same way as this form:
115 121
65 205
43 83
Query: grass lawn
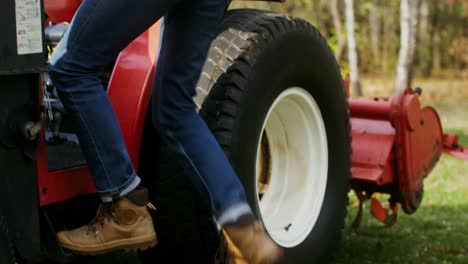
438 231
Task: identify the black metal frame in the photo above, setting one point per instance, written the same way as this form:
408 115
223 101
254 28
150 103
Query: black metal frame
10 61
18 180
19 104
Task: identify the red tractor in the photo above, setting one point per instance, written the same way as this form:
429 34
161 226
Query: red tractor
271 92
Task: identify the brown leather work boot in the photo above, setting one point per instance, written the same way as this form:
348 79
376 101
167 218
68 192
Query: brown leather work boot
251 242
123 224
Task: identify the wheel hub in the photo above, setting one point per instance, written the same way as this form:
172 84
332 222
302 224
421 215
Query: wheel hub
292 167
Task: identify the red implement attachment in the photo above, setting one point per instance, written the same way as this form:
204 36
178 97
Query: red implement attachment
396 144
452 147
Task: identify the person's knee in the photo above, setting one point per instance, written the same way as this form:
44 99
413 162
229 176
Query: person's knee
66 74
61 75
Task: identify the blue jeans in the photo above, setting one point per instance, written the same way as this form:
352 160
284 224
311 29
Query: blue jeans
98 32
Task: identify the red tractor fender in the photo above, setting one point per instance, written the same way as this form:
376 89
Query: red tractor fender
131 84
61 11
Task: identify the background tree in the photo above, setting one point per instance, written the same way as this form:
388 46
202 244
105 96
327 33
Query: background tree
426 36
409 17
375 26
440 51
352 49
338 24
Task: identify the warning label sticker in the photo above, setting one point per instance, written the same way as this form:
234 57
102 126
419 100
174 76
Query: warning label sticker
28 26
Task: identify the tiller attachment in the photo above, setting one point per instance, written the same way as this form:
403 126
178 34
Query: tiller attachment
396 144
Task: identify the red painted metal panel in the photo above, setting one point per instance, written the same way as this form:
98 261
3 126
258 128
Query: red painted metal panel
60 185
418 148
377 110
61 10
372 146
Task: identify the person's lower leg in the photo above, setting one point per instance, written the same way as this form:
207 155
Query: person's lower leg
189 30
99 31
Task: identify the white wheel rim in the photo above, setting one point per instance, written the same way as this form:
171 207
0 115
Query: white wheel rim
292 167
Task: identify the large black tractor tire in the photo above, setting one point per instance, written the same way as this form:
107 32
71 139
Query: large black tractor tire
183 224
255 58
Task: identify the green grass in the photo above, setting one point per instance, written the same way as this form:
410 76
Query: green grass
438 231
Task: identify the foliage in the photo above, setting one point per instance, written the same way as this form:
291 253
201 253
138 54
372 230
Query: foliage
442 42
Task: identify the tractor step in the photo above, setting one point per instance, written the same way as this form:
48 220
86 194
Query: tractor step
66 155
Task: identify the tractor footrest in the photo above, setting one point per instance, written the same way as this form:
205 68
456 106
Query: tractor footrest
67 155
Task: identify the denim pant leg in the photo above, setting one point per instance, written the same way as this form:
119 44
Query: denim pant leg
98 32
189 30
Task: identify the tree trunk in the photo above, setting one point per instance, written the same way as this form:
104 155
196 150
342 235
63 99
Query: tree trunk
352 49
436 53
409 18
426 37
338 24
374 21
320 18
415 17
386 39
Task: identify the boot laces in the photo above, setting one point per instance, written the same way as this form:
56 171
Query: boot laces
106 211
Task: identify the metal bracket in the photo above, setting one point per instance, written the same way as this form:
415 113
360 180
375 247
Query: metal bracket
362 197
386 214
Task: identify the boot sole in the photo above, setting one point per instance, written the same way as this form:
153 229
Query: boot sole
130 244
